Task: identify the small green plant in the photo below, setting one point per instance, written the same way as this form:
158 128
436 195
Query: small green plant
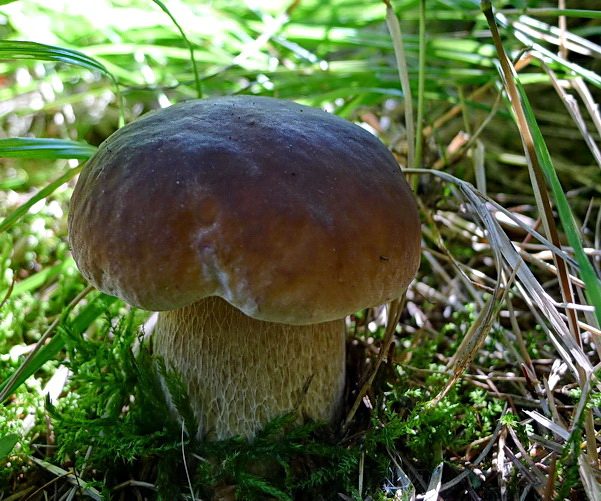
116 420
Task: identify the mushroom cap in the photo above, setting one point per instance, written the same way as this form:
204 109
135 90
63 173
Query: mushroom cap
289 213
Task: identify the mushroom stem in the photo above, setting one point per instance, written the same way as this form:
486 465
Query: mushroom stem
241 372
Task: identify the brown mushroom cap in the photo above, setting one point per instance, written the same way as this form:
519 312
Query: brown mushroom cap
289 213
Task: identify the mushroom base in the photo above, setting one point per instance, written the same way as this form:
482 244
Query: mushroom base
242 372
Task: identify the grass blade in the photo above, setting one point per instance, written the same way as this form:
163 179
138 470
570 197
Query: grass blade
399 51
18 49
38 279
7 443
187 42
537 178
43 193
28 147
590 14
21 49
588 75
44 351
593 284
49 350
421 89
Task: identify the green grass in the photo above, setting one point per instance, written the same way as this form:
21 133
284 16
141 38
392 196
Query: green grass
490 385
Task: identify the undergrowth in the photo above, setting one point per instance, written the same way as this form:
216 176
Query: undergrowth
116 421
114 425
488 387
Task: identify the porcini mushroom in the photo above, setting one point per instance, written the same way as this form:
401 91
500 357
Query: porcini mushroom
254 225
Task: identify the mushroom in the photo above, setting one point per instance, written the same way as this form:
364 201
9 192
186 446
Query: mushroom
254 226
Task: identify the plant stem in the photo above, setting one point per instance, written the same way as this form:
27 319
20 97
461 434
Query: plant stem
420 85
536 174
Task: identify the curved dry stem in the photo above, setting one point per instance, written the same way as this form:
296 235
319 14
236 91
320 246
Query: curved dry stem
243 372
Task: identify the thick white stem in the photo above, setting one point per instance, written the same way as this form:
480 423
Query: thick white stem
243 372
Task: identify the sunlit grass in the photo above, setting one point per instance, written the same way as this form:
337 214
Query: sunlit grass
486 312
